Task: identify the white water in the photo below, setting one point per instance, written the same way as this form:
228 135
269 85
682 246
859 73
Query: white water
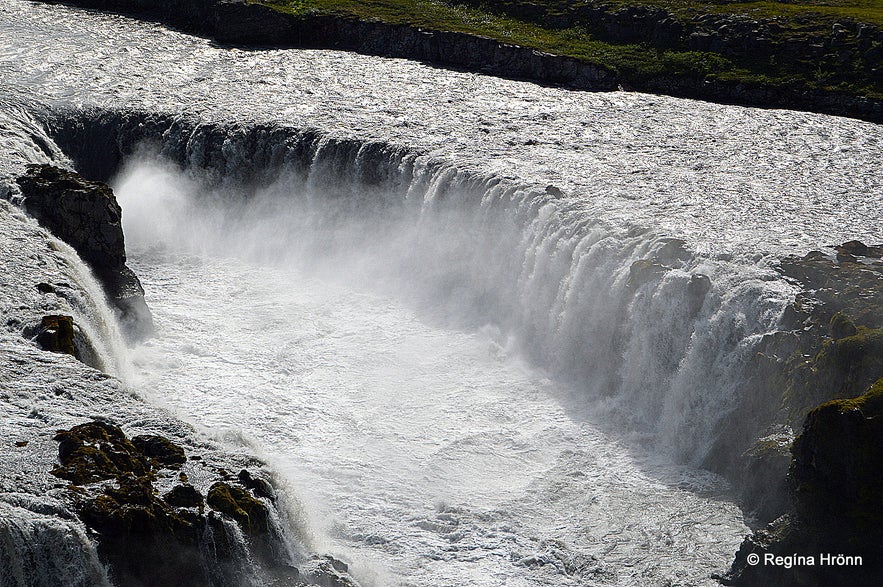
430 348
48 543
349 348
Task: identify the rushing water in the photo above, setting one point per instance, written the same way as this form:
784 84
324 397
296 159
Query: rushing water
455 313
426 455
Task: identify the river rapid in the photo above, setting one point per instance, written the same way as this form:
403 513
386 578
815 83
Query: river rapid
483 331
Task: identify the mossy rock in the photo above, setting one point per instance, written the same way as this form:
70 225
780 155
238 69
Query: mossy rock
842 326
143 540
258 486
249 513
184 496
97 451
837 469
160 450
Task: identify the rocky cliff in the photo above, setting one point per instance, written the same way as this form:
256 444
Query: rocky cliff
86 215
824 488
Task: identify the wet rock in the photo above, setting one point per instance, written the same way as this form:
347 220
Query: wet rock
86 215
859 249
235 502
144 541
151 542
643 271
327 571
45 288
259 487
57 334
97 451
837 491
185 496
160 450
842 326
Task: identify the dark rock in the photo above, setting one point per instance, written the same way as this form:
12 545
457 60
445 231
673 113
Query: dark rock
643 271
160 450
838 502
841 326
327 571
97 451
235 502
86 215
259 487
57 334
45 288
147 541
854 249
554 191
184 496
143 540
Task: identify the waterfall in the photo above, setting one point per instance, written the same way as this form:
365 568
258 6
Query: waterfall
42 542
649 331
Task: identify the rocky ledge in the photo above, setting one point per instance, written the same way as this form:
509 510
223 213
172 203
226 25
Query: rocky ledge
86 215
163 518
824 490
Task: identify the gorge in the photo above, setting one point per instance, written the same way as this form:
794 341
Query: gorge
473 330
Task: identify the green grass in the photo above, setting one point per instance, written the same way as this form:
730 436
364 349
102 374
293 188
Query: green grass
636 63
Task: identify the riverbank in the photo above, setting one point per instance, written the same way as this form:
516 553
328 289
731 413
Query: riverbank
816 58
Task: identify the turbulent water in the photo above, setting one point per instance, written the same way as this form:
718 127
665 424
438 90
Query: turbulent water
484 331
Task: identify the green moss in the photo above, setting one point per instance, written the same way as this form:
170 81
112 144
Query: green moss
862 349
842 326
160 450
559 27
96 451
870 404
237 503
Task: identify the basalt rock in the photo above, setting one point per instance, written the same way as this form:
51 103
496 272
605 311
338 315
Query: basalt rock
97 451
160 450
184 496
235 502
85 214
148 541
837 492
57 334
830 347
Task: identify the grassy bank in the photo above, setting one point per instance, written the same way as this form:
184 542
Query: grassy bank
828 45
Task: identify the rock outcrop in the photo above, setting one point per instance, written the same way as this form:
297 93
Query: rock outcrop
85 214
148 540
830 501
833 534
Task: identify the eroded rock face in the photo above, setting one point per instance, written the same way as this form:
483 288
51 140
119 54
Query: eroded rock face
835 479
148 540
837 489
86 215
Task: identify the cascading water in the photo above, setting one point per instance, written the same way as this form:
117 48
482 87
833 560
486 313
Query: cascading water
43 543
622 319
456 315
629 317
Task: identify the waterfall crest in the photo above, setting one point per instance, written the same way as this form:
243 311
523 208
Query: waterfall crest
646 328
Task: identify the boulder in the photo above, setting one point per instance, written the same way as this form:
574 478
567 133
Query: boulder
57 334
236 503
